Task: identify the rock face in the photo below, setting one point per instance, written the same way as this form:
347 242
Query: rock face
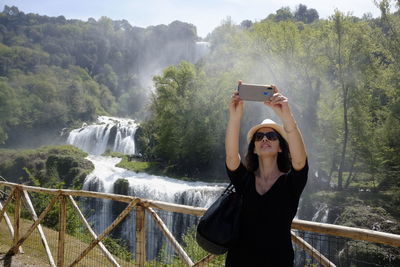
48 165
121 187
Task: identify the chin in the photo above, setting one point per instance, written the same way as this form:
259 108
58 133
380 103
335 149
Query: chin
268 154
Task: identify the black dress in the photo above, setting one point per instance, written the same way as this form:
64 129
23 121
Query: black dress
266 219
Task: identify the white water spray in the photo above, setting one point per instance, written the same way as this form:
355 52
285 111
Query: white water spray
108 132
105 176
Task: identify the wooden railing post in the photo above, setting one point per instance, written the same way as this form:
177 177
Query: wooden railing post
321 228
140 237
93 234
10 227
6 218
40 229
181 252
318 256
17 217
8 200
30 230
61 231
117 220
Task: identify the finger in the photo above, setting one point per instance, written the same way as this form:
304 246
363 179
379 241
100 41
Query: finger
236 97
236 101
274 97
275 88
268 103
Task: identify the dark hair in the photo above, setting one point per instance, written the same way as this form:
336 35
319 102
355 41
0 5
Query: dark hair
284 160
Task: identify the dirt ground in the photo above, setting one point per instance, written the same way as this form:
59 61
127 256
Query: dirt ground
19 259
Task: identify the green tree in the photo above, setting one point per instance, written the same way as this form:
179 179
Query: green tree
305 15
347 57
283 14
182 130
9 109
388 37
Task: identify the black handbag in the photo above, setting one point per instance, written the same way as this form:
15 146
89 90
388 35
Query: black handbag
218 228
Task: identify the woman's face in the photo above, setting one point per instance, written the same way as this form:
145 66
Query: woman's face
266 142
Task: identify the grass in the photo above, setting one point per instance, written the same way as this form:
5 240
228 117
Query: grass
34 249
34 253
136 166
156 168
149 167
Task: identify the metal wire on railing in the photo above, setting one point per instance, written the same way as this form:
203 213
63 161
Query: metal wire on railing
150 233
346 252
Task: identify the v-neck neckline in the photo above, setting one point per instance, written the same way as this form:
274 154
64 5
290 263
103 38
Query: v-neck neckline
270 189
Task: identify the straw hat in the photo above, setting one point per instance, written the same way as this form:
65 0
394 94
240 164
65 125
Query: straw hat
266 123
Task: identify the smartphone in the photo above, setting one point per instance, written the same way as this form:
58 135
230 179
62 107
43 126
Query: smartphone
255 92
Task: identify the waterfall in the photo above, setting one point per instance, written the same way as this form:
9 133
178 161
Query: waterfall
322 213
319 242
108 132
202 48
118 134
106 177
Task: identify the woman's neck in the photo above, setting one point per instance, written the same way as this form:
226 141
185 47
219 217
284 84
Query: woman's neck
268 168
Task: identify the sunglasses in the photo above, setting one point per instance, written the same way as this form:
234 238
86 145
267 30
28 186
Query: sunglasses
271 136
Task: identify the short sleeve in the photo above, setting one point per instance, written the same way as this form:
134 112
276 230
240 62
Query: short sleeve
297 179
237 176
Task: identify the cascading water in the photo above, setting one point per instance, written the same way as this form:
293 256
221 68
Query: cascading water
322 213
319 242
118 135
114 133
106 176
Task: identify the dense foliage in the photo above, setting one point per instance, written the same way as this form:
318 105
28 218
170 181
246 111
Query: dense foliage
340 74
57 73
185 125
52 167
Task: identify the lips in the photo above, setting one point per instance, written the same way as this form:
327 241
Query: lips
266 145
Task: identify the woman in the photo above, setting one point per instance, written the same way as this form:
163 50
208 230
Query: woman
272 180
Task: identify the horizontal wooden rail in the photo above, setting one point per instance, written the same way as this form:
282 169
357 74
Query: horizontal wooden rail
318 256
121 198
322 228
350 232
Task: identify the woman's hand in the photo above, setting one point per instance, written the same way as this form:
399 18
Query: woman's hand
236 105
278 103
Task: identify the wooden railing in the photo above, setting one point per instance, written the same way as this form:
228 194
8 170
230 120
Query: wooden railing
17 192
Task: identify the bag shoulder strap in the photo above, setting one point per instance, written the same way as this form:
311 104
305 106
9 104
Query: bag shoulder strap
229 189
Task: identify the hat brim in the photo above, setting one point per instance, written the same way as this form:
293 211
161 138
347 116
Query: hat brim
274 126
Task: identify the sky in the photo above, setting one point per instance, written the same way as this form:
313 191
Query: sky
206 15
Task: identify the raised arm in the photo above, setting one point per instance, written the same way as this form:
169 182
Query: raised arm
280 105
236 106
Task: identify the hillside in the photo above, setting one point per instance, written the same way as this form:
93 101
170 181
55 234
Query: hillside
57 73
